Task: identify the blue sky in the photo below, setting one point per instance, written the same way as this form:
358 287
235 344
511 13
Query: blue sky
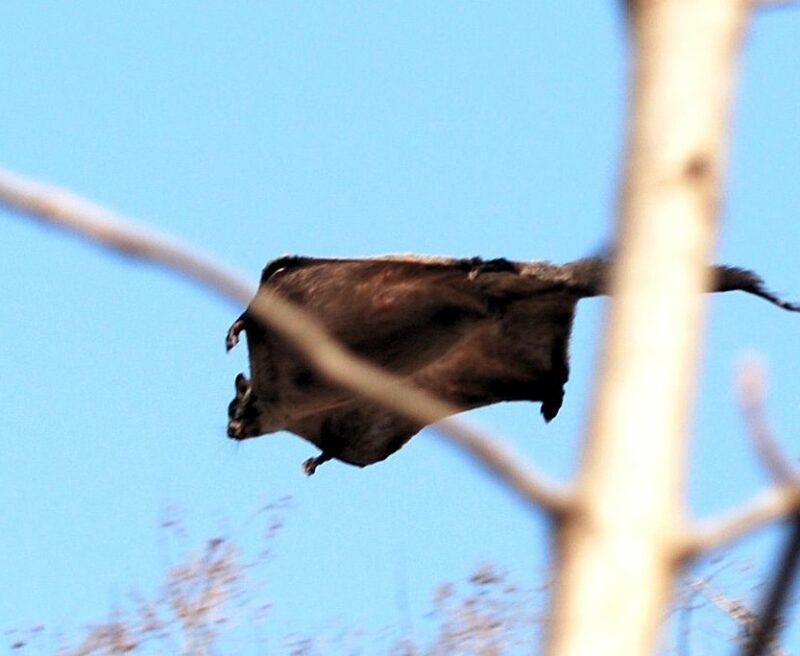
255 129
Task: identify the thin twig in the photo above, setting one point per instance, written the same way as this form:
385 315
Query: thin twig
739 613
734 609
62 209
684 639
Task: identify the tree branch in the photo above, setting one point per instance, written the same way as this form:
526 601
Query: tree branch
765 630
766 624
59 208
750 386
771 505
739 613
768 506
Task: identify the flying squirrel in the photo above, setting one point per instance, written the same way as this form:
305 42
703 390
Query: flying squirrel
471 332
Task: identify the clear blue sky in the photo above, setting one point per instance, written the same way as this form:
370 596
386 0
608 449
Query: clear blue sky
255 129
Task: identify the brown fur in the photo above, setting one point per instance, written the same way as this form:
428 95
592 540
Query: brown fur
473 332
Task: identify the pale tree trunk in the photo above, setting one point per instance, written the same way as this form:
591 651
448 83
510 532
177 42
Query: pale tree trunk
618 550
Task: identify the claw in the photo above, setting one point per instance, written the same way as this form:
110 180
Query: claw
310 464
236 429
242 385
232 338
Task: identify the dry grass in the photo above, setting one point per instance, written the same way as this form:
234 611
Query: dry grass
212 601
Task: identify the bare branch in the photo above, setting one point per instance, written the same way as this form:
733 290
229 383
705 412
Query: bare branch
747 620
770 505
765 629
733 608
62 209
751 399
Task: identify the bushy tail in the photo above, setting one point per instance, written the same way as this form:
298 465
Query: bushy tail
728 279
590 277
